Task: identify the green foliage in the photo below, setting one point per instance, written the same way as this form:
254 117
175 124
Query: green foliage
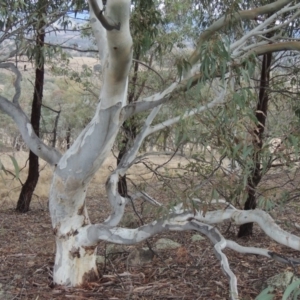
264 295
5 171
214 59
145 25
2 169
183 65
16 166
266 204
291 292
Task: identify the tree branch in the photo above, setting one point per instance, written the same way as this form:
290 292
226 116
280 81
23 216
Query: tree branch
275 47
220 99
99 32
161 97
17 82
201 222
50 155
236 17
106 22
261 28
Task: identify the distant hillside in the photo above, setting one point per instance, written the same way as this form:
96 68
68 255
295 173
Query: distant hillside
70 39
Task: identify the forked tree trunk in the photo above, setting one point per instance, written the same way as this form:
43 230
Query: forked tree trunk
28 188
75 262
261 115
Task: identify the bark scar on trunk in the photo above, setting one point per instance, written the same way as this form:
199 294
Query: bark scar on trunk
75 253
81 209
90 276
89 249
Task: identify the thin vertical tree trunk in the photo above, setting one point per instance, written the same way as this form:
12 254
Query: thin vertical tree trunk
122 183
33 171
261 116
55 129
68 138
130 134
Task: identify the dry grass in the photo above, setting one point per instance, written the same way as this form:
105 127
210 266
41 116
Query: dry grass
10 187
77 62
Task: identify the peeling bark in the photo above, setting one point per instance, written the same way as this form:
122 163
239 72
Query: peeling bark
75 262
74 266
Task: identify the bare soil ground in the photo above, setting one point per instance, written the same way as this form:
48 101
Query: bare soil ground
190 272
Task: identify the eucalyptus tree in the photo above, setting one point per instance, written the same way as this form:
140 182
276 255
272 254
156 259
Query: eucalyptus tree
33 167
216 63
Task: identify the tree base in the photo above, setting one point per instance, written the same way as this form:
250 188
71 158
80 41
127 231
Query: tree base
74 265
25 197
26 193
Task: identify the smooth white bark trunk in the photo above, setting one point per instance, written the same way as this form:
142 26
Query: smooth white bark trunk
74 266
75 262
